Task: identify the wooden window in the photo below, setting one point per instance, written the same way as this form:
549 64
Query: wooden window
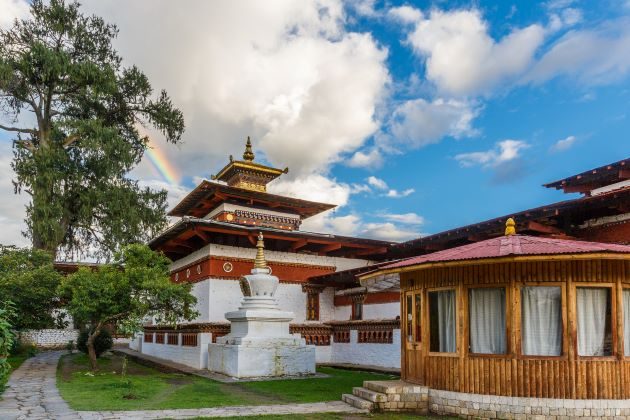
417 318
541 321
413 318
357 309
487 320
148 337
375 337
341 336
312 306
159 338
189 339
409 317
594 321
172 339
442 321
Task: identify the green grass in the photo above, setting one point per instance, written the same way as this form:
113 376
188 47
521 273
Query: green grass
14 362
333 416
150 389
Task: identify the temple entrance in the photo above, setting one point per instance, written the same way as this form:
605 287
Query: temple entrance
413 371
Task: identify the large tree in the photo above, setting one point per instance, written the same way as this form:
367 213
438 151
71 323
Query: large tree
76 113
135 286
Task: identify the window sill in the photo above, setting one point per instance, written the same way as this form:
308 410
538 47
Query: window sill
438 354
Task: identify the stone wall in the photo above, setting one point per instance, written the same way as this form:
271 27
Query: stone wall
491 407
49 338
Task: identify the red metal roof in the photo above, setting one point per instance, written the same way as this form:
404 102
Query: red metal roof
511 245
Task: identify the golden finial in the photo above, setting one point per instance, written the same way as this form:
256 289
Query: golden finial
248 155
510 227
260 262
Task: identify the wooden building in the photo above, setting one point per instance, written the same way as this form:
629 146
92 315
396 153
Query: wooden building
515 316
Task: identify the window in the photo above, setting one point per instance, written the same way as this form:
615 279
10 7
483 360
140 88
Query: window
442 321
413 313
541 321
312 306
409 308
626 322
417 318
357 309
594 313
487 320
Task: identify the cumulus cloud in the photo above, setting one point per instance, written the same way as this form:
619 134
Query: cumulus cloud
314 187
503 151
405 218
563 144
388 232
377 182
400 194
11 10
369 159
419 122
463 59
405 14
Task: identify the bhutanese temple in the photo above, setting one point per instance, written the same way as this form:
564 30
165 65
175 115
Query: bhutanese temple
350 321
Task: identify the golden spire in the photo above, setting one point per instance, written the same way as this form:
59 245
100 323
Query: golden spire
248 155
260 262
510 227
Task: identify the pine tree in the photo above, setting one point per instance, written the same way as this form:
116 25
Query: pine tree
76 113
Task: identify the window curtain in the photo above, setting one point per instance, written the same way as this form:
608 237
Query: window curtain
626 321
592 308
487 320
446 317
541 321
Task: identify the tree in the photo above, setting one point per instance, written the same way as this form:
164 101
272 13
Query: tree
81 138
135 286
7 338
29 279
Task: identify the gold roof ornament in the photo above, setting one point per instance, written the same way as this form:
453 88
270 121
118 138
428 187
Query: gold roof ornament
510 227
260 262
249 154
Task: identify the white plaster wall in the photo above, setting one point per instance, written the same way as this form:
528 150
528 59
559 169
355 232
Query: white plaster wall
49 338
275 256
384 355
225 295
195 357
326 305
381 310
323 354
201 291
343 313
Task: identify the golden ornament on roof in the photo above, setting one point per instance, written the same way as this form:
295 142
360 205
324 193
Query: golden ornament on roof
510 227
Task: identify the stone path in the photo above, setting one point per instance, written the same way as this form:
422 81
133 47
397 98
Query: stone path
32 394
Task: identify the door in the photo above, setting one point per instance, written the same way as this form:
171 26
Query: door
412 338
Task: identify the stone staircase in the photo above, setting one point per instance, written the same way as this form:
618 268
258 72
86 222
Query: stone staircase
389 396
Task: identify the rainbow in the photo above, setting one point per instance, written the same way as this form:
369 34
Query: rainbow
158 160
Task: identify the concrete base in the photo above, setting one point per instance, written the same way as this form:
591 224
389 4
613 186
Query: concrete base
262 358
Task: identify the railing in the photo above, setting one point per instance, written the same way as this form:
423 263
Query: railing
190 339
148 337
159 338
172 339
376 337
341 336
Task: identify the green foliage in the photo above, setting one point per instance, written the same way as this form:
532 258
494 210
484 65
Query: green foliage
102 343
70 346
88 111
134 286
7 337
28 277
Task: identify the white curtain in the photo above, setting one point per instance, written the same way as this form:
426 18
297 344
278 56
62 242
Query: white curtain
592 308
487 320
626 322
541 321
446 317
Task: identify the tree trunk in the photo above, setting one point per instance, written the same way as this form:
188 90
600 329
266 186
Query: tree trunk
92 350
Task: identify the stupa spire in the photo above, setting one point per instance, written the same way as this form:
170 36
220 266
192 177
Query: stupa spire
249 154
510 227
260 262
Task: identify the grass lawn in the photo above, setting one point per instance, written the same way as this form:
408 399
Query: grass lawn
147 388
335 416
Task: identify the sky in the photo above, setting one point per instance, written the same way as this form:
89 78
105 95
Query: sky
412 117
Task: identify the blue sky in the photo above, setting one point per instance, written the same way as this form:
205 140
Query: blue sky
413 117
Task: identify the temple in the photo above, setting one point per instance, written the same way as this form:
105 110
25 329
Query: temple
347 319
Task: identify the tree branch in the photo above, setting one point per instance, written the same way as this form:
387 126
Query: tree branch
18 130
70 139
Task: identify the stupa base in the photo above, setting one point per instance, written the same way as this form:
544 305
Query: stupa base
262 358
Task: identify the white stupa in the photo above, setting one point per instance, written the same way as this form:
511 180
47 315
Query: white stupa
259 343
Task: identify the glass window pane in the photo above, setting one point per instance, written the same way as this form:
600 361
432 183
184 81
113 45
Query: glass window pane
594 321
442 321
626 322
418 317
487 320
541 321
409 318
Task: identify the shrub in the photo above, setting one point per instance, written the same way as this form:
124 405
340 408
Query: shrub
102 343
6 339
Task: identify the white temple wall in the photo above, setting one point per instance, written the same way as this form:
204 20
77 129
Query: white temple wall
388 310
343 313
326 305
383 355
201 291
195 357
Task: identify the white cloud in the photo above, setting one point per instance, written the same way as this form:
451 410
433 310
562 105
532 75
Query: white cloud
405 14
405 218
372 159
377 182
11 10
12 206
463 59
418 122
388 232
399 194
563 144
312 187
504 151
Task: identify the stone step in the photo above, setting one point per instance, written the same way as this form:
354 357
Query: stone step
394 387
368 394
357 402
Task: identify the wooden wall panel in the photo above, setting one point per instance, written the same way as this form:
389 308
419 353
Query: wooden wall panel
568 376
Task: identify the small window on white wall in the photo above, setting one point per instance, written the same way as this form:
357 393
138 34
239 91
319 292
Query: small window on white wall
594 321
487 320
541 321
